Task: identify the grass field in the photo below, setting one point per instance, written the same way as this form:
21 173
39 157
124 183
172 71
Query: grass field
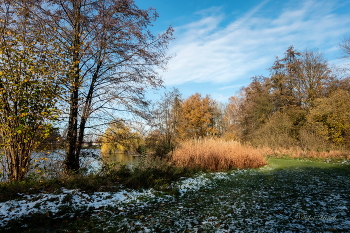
285 196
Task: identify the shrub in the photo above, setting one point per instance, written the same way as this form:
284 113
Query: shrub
163 149
276 133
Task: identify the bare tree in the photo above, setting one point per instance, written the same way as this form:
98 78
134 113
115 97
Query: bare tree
345 46
165 121
113 59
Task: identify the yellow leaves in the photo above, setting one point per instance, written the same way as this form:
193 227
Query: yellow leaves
118 137
23 114
330 116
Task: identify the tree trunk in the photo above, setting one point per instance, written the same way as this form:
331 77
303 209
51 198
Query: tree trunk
18 163
86 109
72 150
72 158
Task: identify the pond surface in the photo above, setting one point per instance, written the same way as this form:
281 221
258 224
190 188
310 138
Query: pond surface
119 157
52 161
90 158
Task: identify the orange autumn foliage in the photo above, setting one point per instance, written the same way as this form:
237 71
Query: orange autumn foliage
197 117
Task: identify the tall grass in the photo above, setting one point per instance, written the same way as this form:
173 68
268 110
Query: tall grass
298 152
217 155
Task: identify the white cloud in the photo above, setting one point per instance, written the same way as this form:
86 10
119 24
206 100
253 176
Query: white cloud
207 52
237 86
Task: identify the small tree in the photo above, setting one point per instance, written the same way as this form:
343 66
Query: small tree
231 119
166 120
29 69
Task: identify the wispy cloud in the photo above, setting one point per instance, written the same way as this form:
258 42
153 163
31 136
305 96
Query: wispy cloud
243 20
232 87
208 52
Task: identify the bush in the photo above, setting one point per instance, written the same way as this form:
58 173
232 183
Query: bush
163 149
276 133
311 141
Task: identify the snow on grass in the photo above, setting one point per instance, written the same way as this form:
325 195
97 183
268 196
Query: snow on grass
265 200
44 202
203 180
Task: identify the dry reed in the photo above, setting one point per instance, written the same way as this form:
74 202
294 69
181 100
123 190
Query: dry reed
297 152
218 155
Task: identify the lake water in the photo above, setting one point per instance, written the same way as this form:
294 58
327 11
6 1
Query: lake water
120 158
91 159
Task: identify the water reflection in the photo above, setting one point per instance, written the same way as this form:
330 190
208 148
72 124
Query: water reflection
89 157
52 162
119 157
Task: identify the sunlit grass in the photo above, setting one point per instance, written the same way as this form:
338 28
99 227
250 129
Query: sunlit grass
312 154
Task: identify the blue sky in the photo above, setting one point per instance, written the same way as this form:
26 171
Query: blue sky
221 44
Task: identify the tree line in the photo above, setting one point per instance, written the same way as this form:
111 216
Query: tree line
303 103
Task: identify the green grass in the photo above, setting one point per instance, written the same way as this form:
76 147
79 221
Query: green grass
287 195
297 163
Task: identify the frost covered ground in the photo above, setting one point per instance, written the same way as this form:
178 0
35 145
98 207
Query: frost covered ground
305 198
